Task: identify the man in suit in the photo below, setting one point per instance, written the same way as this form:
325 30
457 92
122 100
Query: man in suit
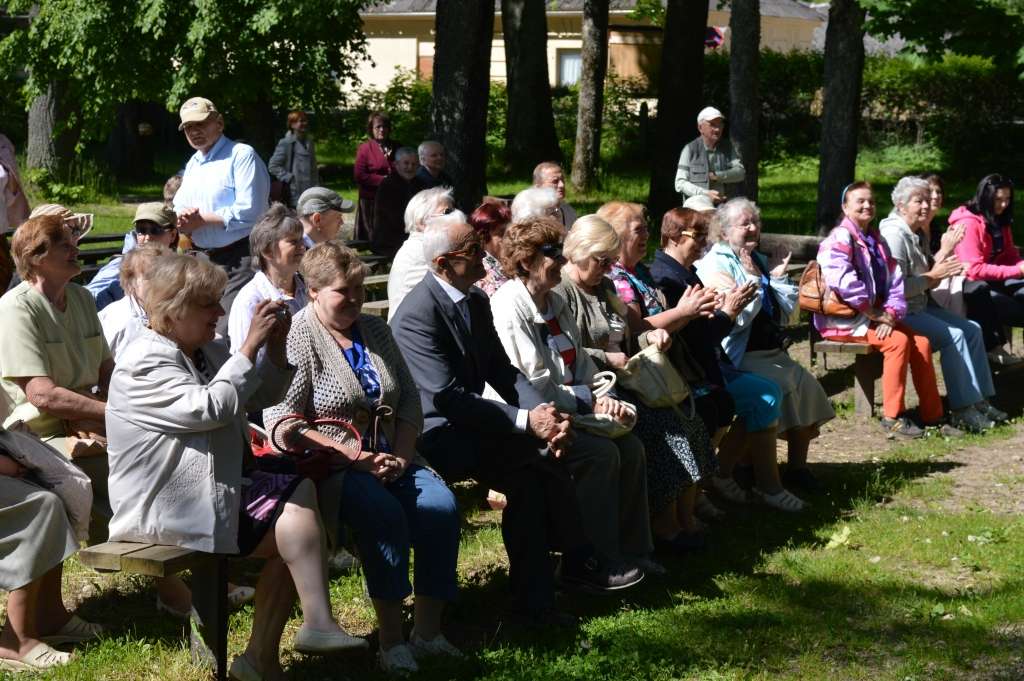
446 333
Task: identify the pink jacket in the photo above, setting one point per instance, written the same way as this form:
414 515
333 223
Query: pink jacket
975 250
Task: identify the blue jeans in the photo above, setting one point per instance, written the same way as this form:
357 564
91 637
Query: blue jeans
961 349
418 511
758 400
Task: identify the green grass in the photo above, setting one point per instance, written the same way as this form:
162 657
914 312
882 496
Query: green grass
907 590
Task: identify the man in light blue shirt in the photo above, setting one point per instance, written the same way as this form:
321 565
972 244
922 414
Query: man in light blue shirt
224 191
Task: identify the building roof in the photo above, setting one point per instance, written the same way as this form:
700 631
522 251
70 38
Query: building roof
791 9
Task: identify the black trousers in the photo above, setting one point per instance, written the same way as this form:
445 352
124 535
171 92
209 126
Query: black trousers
236 261
995 305
542 514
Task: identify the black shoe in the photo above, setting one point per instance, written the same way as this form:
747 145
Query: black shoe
900 427
594 575
684 542
744 476
803 478
548 618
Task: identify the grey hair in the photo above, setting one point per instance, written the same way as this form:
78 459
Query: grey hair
907 187
725 214
423 204
436 241
279 222
405 151
421 150
534 202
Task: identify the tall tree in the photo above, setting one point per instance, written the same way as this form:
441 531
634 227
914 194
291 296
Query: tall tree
243 56
530 128
680 93
744 86
52 130
840 120
591 100
462 68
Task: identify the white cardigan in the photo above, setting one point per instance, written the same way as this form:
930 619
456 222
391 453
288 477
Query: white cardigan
177 444
521 328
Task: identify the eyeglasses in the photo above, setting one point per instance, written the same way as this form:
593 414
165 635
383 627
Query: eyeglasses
553 251
602 261
447 211
699 237
471 251
151 230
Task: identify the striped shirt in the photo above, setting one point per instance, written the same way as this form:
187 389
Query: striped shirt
561 344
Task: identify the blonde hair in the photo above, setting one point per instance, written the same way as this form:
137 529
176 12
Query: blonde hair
33 240
177 282
617 213
137 264
325 262
590 235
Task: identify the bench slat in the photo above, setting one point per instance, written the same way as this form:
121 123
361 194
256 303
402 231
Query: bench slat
161 561
107 556
844 348
377 308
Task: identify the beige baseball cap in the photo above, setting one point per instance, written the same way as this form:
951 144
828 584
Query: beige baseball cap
155 212
196 110
708 113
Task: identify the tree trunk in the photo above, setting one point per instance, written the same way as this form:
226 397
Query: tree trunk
462 64
530 128
840 120
51 142
587 155
680 97
744 95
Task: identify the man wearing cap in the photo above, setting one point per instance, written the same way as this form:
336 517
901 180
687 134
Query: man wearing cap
154 223
224 191
322 213
709 166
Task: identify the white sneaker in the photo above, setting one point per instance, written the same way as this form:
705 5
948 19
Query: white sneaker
783 500
729 490
438 645
398 659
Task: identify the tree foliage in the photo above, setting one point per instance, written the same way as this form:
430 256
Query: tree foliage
239 53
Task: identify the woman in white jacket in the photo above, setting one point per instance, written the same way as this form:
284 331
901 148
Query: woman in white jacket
541 339
182 473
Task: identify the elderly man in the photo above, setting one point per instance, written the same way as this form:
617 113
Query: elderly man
393 196
433 159
709 166
322 213
224 191
408 267
549 174
447 335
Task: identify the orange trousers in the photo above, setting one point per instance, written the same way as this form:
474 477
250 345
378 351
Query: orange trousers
900 349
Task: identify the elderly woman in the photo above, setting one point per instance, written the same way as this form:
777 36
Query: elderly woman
490 221
181 472
541 339
756 343
277 246
857 264
293 162
374 161
54 360
679 452
684 234
535 202
122 320
349 367
958 340
37 538
410 266
994 292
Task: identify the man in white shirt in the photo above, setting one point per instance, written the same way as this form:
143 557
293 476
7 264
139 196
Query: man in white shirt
225 189
549 174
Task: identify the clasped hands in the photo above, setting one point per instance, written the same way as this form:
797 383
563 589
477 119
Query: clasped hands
552 426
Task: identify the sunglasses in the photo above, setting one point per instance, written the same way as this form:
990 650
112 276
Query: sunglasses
553 251
699 237
151 230
602 261
471 251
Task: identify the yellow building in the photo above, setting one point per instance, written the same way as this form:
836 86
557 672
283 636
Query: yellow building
400 35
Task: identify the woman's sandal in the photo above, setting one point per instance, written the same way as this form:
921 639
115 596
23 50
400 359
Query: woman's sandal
40 658
76 630
783 500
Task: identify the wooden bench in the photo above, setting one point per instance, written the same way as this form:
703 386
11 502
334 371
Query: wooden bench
867 369
377 308
208 638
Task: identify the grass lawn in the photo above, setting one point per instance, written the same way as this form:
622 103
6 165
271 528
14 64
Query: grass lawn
881 580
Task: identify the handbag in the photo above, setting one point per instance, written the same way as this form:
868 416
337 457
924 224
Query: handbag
604 424
651 376
314 463
818 297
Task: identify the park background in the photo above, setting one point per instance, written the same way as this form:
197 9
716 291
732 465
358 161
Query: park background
909 568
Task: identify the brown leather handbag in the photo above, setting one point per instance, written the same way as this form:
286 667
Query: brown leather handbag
817 296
